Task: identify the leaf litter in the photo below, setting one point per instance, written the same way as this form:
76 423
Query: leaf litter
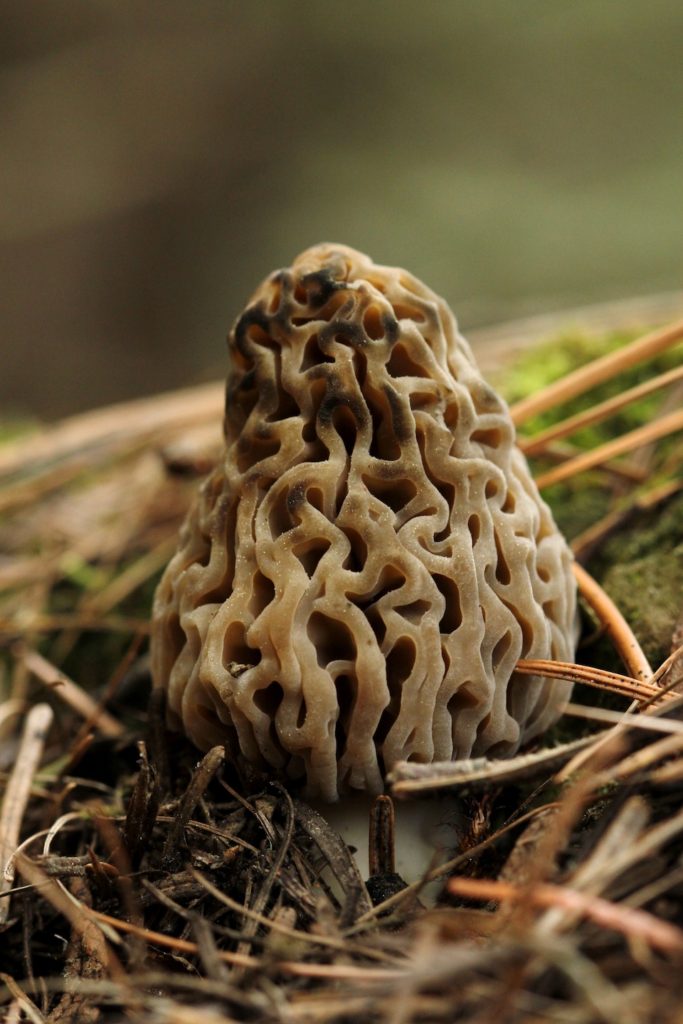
142 882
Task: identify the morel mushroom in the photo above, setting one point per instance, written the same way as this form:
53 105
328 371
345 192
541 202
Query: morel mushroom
366 565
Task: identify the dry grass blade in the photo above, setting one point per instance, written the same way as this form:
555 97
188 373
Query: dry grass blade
71 693
613 736
295 934
594 373
86 622
17 793
22 1008
663 427
642 760
302 970
536 444
639 721
129 580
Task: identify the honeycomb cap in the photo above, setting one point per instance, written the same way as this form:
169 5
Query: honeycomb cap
371 557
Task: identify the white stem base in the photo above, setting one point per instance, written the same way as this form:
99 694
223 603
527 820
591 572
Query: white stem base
424 828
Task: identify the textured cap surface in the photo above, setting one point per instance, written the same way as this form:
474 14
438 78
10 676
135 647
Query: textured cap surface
364 568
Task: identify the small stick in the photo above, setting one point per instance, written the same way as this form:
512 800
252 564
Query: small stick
205 771
595 372
661 427
408 779
618 629
381 843
38 722
157 740
72 694
601 411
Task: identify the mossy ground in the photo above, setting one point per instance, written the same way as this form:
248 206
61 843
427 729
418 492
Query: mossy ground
579 503
640 564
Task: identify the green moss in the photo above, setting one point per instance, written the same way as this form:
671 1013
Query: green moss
648 593
657 531
641 565
553 359
580 502
641 568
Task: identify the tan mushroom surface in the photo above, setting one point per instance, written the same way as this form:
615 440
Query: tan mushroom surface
371 557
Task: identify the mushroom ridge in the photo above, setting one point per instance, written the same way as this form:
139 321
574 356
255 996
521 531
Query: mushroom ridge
365 566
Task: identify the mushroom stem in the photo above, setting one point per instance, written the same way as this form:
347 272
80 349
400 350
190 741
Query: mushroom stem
385 840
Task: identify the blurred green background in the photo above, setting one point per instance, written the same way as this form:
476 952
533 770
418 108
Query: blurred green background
159 157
